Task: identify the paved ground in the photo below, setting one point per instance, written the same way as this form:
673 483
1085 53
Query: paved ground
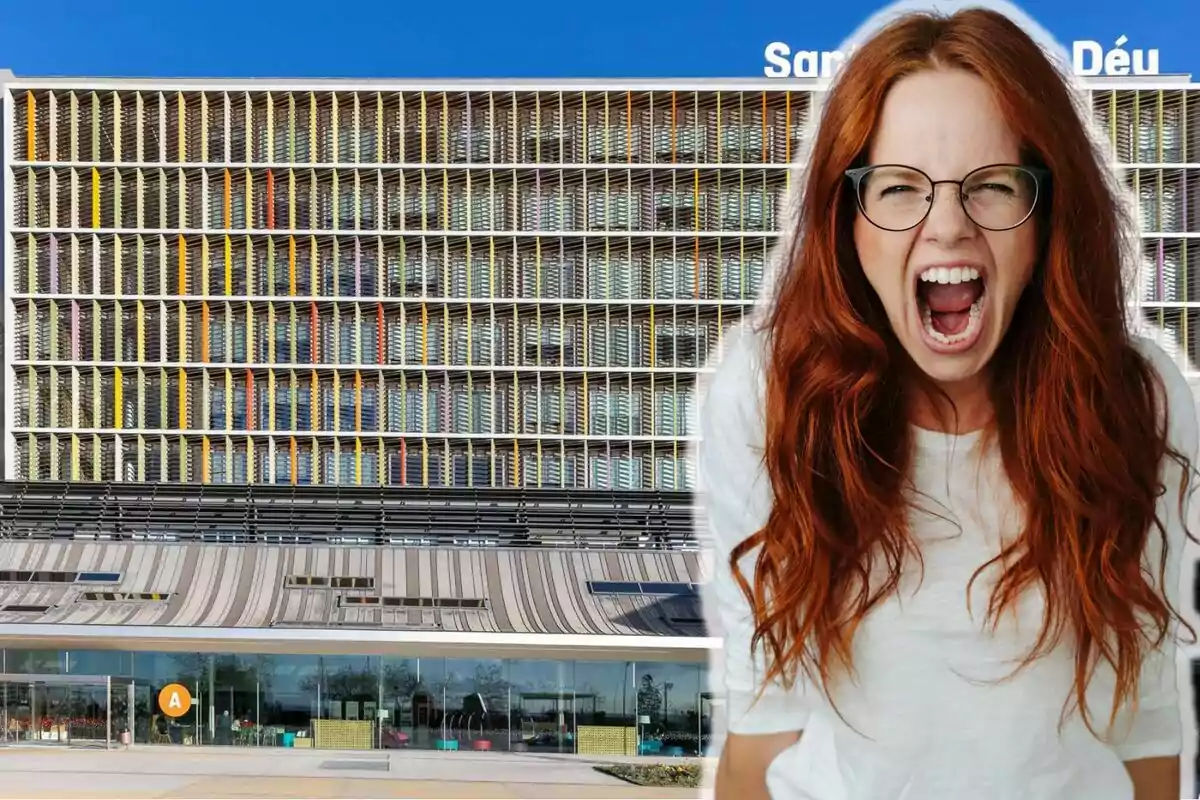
162 772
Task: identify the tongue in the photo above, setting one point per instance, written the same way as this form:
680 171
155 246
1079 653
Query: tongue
950 323
951 304
948 298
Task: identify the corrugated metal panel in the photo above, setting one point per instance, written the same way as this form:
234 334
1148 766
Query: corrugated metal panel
527 591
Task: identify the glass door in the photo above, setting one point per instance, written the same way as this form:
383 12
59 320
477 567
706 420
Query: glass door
544 722
85 712
18 700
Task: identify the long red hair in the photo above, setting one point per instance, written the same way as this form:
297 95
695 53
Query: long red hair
1077 410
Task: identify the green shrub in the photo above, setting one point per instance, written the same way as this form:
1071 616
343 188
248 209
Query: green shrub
684 774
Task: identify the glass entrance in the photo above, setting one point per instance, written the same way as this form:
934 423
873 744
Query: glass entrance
544 722
75 710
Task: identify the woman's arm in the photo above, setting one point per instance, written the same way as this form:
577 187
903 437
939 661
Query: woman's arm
737 500
742 770
1154 739
1155 778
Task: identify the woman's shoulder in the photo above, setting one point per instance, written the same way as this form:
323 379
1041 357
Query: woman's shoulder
738 367
732 438
1179 398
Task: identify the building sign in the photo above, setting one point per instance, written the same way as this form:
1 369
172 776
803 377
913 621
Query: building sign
175 700
1088 59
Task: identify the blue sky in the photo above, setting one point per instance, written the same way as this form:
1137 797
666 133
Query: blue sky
534 38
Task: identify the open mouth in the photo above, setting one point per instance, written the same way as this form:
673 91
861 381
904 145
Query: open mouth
950 301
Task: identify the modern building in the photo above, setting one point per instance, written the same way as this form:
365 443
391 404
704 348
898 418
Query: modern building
361 409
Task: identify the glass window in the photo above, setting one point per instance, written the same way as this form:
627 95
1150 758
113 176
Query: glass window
235 700
327 408
370 467
217 408
370 408
239 408
35 662
347 471
346 701
288 694
219 472
283 466
669 695
240 465
541 705
476 701
347 411
303 408
283 408
238 355
153 671
605 694
283 343
304 467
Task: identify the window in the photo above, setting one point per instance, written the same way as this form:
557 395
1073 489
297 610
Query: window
336 582
217 471
239 350
124 597
98 577
415 602
370 408
370 467
660 588
216 410
742 144
283 467
240 466
283 408
239 408
414 407
50 576
304 467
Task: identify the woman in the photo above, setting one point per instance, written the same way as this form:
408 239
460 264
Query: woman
945 482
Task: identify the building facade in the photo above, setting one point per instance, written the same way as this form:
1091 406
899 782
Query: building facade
216 285
455 285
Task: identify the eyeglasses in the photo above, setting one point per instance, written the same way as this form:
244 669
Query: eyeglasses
997 197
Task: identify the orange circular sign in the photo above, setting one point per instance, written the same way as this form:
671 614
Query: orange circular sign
175 700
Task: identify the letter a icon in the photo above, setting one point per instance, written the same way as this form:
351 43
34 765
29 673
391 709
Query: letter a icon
175 702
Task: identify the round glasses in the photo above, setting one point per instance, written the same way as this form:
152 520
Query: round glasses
997 197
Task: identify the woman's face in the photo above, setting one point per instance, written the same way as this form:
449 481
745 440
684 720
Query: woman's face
948 285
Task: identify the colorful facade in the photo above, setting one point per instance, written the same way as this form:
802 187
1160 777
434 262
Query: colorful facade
462 284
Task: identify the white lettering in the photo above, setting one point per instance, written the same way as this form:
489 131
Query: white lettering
1081 52
807 64
781 63
1088 58
776 54
175 701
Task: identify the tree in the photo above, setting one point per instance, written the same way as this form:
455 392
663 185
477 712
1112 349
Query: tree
398 680
649 697
491 685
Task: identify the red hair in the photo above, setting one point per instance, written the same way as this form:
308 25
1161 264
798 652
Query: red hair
1077 410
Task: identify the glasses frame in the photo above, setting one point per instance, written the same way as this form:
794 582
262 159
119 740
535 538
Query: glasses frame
1041 177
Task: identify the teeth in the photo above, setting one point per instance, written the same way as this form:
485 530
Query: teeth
966 333
950 274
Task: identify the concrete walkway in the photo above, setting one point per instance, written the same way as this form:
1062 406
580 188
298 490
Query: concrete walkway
231 772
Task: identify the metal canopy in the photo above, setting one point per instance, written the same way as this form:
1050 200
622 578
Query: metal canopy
286 514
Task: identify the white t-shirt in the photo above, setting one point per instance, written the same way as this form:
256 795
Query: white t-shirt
933 719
